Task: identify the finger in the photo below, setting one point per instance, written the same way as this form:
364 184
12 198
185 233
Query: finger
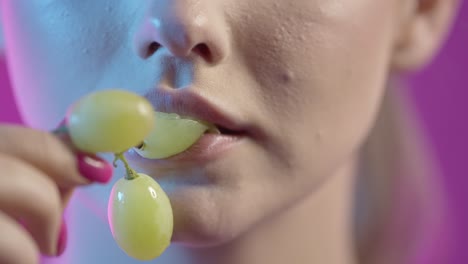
16 245
65 195
50 155
63 134
30 196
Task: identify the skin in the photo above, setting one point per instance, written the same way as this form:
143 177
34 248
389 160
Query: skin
304 74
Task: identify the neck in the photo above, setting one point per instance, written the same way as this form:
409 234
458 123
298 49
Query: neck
316 230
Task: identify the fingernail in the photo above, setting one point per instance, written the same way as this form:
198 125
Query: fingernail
62 239
94 168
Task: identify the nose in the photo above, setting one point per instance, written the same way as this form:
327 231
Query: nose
185 28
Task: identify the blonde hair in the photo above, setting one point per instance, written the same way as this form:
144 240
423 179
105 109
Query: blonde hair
400 206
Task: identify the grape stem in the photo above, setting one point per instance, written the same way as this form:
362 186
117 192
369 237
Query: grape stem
131 174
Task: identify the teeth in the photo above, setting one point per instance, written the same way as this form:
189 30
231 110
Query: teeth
212 129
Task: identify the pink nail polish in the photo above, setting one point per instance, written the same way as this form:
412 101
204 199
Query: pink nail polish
62 239
94 168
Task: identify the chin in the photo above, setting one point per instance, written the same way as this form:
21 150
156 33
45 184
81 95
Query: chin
205 216
216 203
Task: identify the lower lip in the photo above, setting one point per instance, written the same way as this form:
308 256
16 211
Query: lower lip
209 147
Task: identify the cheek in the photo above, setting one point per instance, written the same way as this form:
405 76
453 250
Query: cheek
321 72
56 53
341 89
344 84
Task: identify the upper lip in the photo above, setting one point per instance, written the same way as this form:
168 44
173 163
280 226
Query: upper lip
187 102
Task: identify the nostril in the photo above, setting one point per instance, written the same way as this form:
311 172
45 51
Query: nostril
152 48
203 51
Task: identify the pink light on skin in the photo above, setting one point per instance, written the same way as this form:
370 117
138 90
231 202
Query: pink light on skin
80 203
28 61
8 36
66 257
15 117
9 112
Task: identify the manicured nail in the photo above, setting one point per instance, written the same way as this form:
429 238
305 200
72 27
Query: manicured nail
94 168
62 239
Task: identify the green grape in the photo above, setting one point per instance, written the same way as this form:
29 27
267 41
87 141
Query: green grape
110 121
140 217
171 135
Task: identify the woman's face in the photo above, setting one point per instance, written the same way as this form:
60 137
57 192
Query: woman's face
304 78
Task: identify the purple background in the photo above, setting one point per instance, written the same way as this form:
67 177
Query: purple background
441 94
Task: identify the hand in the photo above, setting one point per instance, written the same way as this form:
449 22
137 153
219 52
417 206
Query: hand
38 172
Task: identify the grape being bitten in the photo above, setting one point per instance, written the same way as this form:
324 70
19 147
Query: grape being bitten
171 135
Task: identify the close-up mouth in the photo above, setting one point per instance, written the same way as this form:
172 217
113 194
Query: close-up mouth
189 103
188 129
208 147
225 131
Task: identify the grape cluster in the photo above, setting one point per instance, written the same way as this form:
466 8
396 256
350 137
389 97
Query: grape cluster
139 211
